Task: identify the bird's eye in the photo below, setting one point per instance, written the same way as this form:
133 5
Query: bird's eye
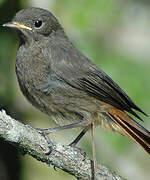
38 23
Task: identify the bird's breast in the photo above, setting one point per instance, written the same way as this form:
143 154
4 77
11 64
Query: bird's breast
32 73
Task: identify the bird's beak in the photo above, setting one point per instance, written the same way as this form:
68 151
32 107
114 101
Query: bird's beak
16 25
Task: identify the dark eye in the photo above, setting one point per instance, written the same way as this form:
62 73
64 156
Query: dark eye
38 23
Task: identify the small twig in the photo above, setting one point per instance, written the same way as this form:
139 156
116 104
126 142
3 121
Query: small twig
67 158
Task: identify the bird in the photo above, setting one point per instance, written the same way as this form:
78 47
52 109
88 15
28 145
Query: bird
63 83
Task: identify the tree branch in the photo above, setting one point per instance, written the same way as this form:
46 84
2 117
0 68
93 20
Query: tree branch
31 142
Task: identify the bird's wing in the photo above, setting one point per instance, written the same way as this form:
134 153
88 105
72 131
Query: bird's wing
89 78
99 85
73 68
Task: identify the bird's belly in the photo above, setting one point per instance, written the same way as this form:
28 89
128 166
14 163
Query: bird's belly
65 108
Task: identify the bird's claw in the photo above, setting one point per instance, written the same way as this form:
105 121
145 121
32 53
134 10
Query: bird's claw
42 132
80 150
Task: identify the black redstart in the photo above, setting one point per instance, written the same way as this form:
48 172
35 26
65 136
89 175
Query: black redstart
63 83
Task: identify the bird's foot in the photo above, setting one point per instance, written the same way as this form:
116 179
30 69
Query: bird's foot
44 133
81 151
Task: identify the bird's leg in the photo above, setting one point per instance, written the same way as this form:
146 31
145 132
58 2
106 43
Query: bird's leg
45 132
93 152
69 126
74 143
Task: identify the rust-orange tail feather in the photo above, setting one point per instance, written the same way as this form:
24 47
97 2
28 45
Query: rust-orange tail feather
130 128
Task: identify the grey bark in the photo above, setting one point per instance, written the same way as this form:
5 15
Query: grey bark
29 141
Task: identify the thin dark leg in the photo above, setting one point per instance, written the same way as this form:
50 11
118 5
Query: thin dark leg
92 170
74 143
93 152
69 126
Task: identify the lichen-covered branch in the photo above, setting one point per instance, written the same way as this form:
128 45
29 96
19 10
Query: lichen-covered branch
67 158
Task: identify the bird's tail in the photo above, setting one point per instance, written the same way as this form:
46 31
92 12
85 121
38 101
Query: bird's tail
127 126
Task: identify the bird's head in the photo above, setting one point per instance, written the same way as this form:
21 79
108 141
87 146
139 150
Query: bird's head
33 22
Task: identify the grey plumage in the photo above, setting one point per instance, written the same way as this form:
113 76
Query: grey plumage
63 83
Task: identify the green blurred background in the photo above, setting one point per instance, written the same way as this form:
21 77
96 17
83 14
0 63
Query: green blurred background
115 34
